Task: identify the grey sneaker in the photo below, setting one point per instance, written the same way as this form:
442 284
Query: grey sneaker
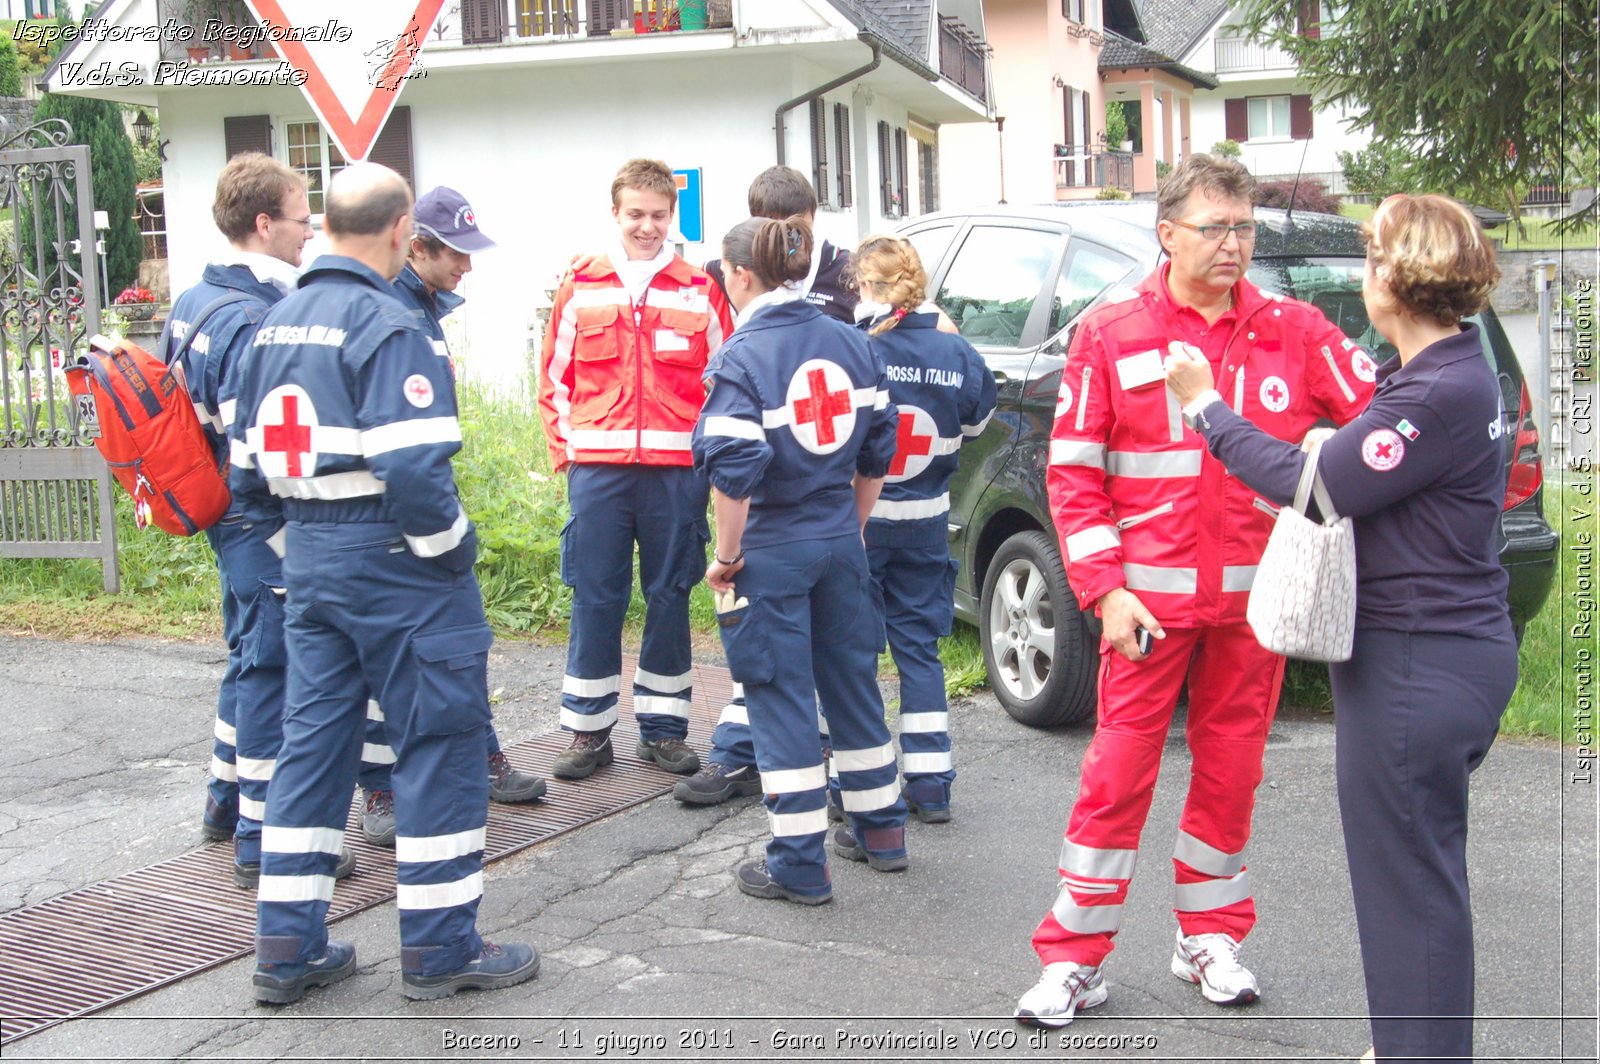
716 783
1212 962
674 755
755 879
589 751
284 984
377 819
507 784
495 968
1061 991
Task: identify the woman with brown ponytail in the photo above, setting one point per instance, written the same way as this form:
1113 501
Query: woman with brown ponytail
795 437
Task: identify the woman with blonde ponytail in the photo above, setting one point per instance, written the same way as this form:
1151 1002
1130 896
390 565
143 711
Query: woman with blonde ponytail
945 395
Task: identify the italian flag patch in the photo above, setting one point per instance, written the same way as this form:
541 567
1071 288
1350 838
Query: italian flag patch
1408 430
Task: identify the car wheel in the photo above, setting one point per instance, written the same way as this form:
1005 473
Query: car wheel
1036 645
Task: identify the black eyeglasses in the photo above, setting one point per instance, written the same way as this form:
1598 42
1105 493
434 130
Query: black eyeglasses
1215 233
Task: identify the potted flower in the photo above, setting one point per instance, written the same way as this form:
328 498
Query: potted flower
135 303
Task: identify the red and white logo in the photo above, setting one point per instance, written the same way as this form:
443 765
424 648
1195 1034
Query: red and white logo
287 424
1383 449
822 411
1362 365
1064 400
1275 394
913 444
419 391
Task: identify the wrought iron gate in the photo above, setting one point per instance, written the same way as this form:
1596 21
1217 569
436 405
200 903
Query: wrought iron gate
55 491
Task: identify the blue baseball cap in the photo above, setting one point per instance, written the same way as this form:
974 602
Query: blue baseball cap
444 214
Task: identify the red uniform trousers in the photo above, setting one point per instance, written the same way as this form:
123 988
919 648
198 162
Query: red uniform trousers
1233 694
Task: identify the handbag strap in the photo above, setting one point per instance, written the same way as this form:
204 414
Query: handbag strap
1311 486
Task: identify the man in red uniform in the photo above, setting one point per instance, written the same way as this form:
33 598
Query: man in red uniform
1159 537
619 392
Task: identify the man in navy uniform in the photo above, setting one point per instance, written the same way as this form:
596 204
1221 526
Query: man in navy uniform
341 455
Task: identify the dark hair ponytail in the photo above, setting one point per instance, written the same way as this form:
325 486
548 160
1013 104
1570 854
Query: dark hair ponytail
776 252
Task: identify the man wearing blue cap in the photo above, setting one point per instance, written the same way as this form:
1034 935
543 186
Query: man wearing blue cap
440 254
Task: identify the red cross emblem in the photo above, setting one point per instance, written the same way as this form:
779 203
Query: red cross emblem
1275 394
290 437
817 401
418 391
913 443
1382 450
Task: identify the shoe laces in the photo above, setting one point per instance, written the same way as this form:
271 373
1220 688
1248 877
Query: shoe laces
670 746
380 801
585 740
1215 949
490 950
499 764
1072 976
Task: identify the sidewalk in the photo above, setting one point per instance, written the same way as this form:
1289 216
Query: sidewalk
648 946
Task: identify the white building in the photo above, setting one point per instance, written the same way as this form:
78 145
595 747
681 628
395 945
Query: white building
529 106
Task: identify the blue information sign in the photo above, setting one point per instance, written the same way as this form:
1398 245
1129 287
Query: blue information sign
691 222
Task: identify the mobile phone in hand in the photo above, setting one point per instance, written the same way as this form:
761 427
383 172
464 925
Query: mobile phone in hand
1141 635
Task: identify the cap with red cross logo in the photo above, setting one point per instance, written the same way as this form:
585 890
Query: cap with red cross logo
822 412
286 421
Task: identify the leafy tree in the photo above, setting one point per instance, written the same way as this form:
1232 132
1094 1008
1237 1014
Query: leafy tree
1227 149
1481 99
1378 170
10 66
1116 124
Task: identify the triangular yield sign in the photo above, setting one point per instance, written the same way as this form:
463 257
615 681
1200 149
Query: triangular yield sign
354 74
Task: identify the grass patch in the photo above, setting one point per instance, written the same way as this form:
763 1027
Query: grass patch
1538 234
1548 665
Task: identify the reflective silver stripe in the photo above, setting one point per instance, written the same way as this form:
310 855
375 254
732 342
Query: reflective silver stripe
1096 863
924 723
1205 858
420 432
251 809
355 484
661 705
736 427
1155 465
662 440
596 688
301 840
734 713
656 681
911 509
1078 453
377 753
1265 507
923 764
228 410
374 711
441 542
599 297
440 349
1238 392
673 300
439 895
878 397
1333 367
222 730
794 780
788 825
438 847
1212 894
1084 886
240 455
869 801
1085 919
295 888
1083 397
943 445
1176 580
1238 577
253 768
601 439
1139 519
278 542
205 417
221 770
1174 417
1091 541
970 431
574 721
863 760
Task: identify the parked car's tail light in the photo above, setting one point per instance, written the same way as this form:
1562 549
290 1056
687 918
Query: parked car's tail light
1526 473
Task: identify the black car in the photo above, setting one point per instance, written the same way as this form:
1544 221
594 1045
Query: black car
1016 280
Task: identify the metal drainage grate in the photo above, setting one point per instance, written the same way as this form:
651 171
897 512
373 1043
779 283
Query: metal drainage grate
103 944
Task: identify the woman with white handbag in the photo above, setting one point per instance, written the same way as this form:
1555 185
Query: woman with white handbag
1422 474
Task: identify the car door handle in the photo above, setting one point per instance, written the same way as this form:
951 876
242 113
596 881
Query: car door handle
1000 376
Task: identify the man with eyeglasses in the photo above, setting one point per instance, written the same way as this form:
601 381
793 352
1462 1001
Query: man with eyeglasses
1163 543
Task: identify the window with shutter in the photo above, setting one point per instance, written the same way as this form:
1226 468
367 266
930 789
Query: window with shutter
242 133
841 127
392 148
819 152
483 21
902 191
1300 117
1236 119
885 176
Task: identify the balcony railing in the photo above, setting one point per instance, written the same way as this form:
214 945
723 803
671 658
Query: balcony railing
498 21
963 57
218 29
1239 55
1091 166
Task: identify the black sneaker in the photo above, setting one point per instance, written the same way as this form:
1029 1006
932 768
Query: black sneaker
377 819
284 984
845 845
928 800
835 810
248 876
218 821
716 783
755 880
507 784
674 755
495 968
589 751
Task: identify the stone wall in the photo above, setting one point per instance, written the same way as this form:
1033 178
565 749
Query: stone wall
1519 292
16 114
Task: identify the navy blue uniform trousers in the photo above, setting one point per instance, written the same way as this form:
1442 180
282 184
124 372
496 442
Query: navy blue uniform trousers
1414 715
365 614
814 624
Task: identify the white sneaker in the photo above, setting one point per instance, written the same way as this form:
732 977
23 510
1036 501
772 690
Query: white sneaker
1212 961
1063 989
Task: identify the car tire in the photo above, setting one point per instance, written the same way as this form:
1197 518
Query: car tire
1037 646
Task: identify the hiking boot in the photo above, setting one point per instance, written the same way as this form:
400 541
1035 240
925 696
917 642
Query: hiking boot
283 984
928 800
248 876
755 880
218 821
716 783
495 968
674 755
835 810
1212 962
1062 990
845 845
377 819
589 751
507 784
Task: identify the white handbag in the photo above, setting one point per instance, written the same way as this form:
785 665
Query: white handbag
1303 599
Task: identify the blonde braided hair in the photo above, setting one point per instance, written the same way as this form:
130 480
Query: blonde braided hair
894 270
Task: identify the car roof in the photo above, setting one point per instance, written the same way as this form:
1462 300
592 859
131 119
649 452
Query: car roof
1132 224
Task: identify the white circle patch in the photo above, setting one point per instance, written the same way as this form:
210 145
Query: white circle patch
419 391
821 406
1362 366
1275 395
1064 400
914 445
1382 449
287 426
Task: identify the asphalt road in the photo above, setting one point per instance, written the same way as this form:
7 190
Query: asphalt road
650 953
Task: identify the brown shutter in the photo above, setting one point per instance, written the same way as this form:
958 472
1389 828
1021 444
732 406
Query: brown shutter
885 182
483 21
1068 121
819 151
902 187
1236 120
243 133
841 126
392 148
1300 117
1308 19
